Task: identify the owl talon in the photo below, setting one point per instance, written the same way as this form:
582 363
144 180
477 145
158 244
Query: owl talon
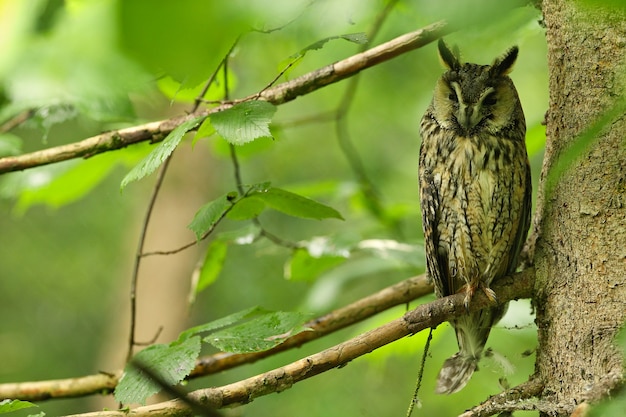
469 290
491 294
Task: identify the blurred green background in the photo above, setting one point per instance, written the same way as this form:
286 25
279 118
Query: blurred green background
69 236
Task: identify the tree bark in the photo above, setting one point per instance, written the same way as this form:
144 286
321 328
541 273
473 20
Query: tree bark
580 254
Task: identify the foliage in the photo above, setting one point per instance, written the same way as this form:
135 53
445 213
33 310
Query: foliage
7 406
251 330
293 208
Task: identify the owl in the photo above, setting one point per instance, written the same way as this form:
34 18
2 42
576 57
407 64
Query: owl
475 194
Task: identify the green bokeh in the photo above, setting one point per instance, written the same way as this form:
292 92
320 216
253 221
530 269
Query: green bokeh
62 269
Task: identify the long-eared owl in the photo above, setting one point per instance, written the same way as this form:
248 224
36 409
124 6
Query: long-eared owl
475 194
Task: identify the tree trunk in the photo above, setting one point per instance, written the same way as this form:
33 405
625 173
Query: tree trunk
580 255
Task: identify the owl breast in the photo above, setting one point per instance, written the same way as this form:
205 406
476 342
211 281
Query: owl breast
480 196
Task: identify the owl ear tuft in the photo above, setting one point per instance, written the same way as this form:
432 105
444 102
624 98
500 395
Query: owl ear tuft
504 64
449 59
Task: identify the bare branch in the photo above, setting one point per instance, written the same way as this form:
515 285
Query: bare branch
282 93
61 388
510 400
397 294
519 285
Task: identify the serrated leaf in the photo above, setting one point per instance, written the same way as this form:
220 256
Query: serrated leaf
7 406
260 333
209 214
212 265
296 205
151 162
223 322
172 362
304 267
244 122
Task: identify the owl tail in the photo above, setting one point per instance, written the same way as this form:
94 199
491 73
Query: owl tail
455 373
472 331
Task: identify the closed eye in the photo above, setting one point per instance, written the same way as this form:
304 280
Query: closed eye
490 99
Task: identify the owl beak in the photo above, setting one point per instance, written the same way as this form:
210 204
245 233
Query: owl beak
468 117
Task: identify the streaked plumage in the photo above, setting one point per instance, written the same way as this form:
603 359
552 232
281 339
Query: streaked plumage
475 195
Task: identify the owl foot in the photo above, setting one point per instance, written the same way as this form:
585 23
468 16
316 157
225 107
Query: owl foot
470 290
491 294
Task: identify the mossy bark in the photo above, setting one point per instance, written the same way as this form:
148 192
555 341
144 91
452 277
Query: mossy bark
580 253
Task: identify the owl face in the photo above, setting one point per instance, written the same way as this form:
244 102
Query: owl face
470 99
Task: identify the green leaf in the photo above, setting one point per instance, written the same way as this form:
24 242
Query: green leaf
260 333
172 362
7 406
223 322
244 122
212 264
204 131
209 214
296 205
304 267
247 208
151 162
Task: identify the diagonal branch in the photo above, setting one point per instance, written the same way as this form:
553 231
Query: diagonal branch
520 285
282 93
397 294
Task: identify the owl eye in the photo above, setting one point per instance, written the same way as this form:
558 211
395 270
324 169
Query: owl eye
490 100
452 96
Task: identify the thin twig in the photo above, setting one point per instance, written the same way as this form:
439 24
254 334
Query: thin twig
279 94
342 132
200 99
138 256
415 400
17 120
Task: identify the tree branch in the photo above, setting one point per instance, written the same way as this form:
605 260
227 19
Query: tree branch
510 400
519 285
282 93
397 294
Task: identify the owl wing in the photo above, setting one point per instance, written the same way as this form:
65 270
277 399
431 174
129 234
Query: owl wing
524 219
431 213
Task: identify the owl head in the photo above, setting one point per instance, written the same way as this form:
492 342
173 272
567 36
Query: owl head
470 98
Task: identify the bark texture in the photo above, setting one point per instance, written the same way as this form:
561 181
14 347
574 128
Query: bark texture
580 255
